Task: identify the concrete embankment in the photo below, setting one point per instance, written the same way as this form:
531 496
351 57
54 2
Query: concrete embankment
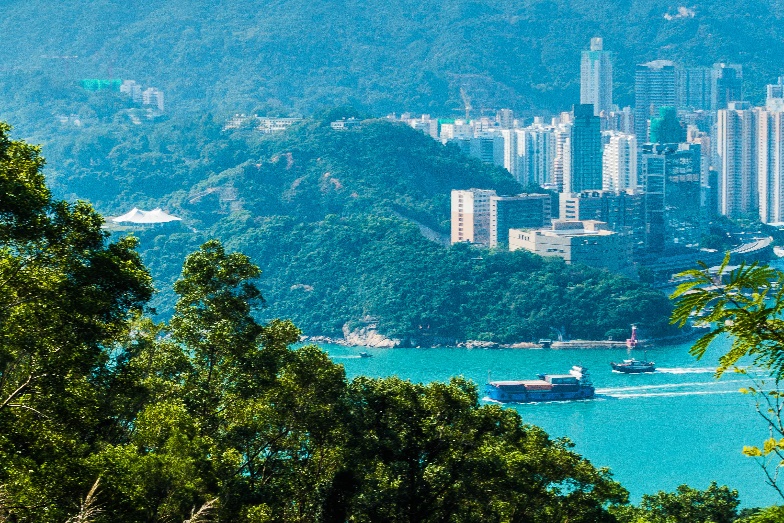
591 344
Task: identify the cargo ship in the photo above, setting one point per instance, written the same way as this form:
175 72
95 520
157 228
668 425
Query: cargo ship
549 387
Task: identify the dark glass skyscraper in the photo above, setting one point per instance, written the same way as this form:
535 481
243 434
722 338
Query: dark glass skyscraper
655 86
586 151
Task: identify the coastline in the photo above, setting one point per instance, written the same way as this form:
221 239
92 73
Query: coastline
378 341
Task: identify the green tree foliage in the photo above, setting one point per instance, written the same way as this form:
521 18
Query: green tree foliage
745 304
66 298
382 56
686 505
343 270
773 514
108 416
425 453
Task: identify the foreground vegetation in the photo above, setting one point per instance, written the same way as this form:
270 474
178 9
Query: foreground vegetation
214 410
107 416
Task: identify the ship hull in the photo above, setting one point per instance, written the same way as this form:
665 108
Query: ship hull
638 368
497 394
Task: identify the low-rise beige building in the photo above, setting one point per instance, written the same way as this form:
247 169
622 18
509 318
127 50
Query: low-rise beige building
588 242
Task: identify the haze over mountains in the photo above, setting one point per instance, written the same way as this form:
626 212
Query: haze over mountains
292 56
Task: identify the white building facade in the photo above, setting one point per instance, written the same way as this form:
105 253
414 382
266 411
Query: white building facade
619 162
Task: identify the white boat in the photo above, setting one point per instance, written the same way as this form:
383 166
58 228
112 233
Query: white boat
634 366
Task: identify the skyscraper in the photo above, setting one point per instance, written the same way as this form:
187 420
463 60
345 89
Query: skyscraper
774 99
586 151
695 88
736 147
537 150
771 166
596 78
727 80
655 86
562 155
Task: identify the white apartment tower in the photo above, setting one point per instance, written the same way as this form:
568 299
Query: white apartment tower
736 147
774 99
562 157
512 154
471 216
619 162
537 149
596 78
770 148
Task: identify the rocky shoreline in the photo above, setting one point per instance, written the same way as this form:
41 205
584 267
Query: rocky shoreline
369 337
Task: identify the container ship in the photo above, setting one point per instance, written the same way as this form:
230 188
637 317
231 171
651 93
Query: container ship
549 387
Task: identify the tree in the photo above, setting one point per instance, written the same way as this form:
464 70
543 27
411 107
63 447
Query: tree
67 297
686 505
432 453
746 305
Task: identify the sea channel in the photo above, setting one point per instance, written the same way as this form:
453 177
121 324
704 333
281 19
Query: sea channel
678 425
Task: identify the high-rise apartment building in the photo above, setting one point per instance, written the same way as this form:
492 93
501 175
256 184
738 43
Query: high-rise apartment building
770 149
727 85
537 149
655 86
774 96
596 78
586 151
619 162
505 118
471 216
695 88
562 158
513 154
736 147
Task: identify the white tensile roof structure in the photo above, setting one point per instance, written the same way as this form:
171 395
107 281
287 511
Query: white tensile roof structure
146 217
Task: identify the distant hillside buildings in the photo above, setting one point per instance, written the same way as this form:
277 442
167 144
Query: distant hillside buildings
151 98
262 124
650 177
481 217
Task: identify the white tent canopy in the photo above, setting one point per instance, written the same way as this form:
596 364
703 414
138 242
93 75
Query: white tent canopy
145 217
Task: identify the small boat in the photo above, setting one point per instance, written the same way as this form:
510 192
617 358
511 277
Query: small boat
546 343
365 355
549 387
633 366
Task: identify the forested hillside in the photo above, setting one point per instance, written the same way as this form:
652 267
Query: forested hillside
336 219
292 56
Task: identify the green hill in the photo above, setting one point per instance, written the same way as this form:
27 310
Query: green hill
338 223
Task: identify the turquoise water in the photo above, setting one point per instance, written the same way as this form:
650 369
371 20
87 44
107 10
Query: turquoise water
654 431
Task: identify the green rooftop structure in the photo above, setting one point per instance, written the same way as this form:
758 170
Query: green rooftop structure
666 128
101 84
